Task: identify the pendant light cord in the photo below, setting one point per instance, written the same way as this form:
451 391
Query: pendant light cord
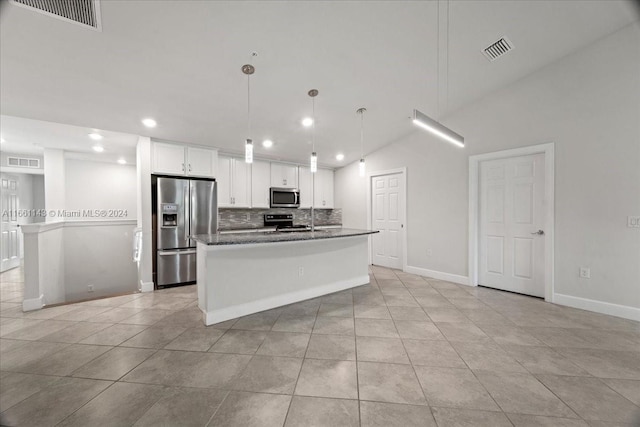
313 129
249 106
447 61
438 63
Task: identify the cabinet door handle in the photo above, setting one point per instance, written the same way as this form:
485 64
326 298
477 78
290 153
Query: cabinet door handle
189 167
183 167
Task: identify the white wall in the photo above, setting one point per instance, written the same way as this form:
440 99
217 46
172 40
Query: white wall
37 191
588 104
100 185
54 181
98 254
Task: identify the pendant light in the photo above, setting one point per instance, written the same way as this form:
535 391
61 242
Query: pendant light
249 69
313 163
361 166
426 122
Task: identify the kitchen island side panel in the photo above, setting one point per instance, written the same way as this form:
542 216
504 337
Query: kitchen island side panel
237 280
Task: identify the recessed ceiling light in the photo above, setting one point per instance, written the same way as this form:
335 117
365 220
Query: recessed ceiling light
307 121
150 123
122 161
95 136
98 148
339 156
267 143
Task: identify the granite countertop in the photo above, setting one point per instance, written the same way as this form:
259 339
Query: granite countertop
270 228
273 236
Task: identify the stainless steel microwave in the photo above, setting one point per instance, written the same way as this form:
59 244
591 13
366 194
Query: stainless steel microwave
284 197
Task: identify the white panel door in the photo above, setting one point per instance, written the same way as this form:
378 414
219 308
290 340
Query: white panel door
10 234
511 224
387 203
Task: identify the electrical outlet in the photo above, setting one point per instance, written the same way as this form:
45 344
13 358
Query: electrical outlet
633 221
585 273
90 288
300 271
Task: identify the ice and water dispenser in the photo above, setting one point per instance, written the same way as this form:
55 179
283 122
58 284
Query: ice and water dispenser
169 215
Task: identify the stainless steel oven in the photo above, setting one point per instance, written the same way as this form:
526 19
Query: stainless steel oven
284 197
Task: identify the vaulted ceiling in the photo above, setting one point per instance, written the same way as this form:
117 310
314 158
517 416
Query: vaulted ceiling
179 62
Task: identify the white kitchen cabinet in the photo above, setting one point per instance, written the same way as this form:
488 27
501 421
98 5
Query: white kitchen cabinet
201 162
304 184
284 175
323 195
234 183
175 159
260 184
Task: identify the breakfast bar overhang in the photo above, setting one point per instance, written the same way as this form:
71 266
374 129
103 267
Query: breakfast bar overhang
245 273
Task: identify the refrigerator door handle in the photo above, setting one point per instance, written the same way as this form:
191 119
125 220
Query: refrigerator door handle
168 253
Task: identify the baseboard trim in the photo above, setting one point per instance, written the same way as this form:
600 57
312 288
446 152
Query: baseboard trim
146 286
624 311
228 313
455 278
32 304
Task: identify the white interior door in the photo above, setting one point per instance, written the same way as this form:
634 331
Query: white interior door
387 214
10 232
511 237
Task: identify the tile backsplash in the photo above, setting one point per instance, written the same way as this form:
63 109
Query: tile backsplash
233 218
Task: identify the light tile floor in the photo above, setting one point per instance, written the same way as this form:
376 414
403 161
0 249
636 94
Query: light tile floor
401 351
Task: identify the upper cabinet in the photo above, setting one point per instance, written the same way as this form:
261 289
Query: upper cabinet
234 183
284 175
260 183
323 195
174 159
304 184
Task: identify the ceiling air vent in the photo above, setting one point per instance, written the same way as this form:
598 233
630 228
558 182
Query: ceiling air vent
23 162
82 12
497 49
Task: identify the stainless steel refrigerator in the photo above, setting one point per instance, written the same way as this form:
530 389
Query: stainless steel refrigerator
182 207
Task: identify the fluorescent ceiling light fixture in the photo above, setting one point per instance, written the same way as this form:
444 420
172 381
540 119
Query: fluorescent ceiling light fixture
95 136
98 148
150 123
267 143
437 129
307 121
122 161
339 157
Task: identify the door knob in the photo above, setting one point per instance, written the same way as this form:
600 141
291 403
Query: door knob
539 232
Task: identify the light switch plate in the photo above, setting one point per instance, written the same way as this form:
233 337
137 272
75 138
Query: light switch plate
633 221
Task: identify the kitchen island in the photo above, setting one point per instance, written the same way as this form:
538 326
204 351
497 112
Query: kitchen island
245 273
